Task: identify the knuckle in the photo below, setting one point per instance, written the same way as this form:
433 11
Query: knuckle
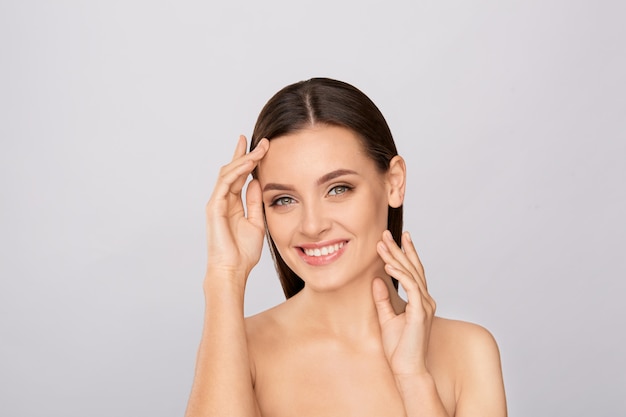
210 202
411 285
223 168
210 207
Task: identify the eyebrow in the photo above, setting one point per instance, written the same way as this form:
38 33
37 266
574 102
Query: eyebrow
334 174
321 180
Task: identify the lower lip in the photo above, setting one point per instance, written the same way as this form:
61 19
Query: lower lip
324 259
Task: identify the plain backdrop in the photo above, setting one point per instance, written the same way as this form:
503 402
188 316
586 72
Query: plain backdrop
115 117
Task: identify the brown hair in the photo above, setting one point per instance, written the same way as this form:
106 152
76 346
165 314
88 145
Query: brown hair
331 102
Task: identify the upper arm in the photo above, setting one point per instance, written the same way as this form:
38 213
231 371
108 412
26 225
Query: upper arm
481 386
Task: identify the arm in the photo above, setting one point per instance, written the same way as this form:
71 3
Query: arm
223 383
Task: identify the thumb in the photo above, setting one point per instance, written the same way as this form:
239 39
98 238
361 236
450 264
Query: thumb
380 293
254 204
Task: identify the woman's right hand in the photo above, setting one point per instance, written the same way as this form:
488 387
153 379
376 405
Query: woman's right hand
235 236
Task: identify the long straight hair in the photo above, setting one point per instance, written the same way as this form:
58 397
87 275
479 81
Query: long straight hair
336 103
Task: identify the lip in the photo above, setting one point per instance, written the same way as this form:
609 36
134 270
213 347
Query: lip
323 259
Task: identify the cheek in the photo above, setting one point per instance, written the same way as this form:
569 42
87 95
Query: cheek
280 227
371 211
271 226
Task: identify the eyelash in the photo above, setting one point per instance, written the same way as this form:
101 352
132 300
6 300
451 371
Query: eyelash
346 188
286 200
276 201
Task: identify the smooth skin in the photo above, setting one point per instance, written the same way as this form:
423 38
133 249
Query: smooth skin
347 344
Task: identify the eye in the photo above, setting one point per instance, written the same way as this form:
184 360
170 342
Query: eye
282 201
339 189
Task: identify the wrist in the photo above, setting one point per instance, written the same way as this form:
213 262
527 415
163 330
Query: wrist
224 281
419 395
409 383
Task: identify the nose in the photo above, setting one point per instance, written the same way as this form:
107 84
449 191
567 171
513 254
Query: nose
315 221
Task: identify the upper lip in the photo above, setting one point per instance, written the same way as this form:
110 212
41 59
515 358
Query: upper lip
319 245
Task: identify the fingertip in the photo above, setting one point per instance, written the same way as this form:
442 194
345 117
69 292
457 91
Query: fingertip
380 294
382 247
254 183
254 201
379 288
266 144
240 149
262 146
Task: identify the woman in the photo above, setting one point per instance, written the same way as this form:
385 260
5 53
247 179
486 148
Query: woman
328 190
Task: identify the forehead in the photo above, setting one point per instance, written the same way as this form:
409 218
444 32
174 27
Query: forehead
314 151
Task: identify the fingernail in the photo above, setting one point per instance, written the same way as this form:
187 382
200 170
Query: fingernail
408 236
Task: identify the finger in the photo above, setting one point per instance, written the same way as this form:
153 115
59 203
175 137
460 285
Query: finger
407 257
414 287
411 253
242 158
240 149
250 162
231 180
254 204
406 279
233 176
380 292
419 300
395 256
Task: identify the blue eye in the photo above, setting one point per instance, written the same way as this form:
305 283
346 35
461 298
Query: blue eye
339 189
282 201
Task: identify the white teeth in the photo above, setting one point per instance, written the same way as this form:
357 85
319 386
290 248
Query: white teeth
326 250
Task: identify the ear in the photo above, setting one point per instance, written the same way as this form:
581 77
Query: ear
396 181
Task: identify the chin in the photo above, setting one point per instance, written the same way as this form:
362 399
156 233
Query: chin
333 281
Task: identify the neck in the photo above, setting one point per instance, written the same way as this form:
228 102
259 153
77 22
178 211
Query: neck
348 311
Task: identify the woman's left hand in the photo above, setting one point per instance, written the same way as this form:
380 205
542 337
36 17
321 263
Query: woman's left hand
405 336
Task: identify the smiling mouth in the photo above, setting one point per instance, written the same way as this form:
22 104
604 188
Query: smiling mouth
324 250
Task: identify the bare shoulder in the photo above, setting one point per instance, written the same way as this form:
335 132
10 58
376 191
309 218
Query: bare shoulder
477 368
268 329
469 345
264 323
468 338
266 333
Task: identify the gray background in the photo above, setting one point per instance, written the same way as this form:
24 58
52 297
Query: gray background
116 116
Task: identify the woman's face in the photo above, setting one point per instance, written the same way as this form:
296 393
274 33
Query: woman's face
326 205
